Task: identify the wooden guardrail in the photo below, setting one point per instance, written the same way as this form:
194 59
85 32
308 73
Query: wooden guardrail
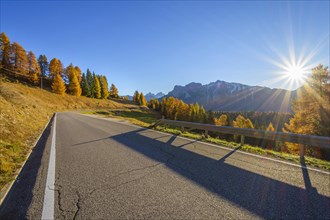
310 140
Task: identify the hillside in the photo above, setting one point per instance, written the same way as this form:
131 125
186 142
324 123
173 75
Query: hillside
224 96
24 113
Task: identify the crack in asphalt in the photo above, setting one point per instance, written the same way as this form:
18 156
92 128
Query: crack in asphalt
77 205
125 173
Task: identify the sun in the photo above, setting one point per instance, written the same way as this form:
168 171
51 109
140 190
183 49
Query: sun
295 72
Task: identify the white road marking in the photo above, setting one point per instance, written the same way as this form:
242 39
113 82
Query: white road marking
49 197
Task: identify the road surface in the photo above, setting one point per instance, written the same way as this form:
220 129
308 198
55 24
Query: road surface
113 170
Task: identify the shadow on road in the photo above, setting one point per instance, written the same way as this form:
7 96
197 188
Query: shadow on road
266 197
21 194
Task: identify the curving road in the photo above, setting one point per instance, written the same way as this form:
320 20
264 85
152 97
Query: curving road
107 169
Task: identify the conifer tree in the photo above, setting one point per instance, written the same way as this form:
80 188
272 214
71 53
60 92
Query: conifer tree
114 91
312 110
43 64
210 117
222 120
104 87
58 85
74 85
5 51
19 58
85 86
91 84
136 97
78 73
97 88
270 127
55 67
142 100
241 122
34 69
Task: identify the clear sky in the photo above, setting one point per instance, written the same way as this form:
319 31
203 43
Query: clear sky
152 46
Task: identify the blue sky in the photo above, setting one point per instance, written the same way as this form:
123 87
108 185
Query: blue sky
152 46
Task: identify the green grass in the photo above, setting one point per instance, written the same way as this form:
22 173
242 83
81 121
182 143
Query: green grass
146 118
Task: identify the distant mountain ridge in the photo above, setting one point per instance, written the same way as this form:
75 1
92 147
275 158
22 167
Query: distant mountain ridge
224 96
150 95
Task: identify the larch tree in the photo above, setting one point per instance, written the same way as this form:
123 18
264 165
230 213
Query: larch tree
19 58
5 51
142 100
136 97
241 122
55 68
312 110
74 85
270 127
97 88
222 120
114 91
34 69
104 87
58 85
78 73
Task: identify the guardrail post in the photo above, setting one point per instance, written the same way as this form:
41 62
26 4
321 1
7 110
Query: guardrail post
302 150
182 129
242 140
206 133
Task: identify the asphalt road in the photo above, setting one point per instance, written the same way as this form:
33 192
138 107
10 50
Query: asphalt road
112 170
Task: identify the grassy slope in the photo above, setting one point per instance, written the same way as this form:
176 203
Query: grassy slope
23 114
146 118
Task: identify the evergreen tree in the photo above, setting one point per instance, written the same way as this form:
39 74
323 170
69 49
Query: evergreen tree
97 88
55 68
84 86
142 100
104 87
34 69
114 91
19 58
5 51
136 97
58 85
74 85
91 84
44 65
210 117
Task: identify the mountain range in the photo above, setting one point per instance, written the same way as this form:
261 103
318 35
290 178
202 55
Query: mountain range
224 96
150 95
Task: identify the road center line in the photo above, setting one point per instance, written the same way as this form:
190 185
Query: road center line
49 196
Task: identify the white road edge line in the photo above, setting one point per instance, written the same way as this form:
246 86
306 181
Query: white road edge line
218 146
49 196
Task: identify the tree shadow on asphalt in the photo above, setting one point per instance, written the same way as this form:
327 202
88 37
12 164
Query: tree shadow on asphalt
266 197
19 199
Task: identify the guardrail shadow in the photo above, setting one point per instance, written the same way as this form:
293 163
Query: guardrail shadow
261 195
